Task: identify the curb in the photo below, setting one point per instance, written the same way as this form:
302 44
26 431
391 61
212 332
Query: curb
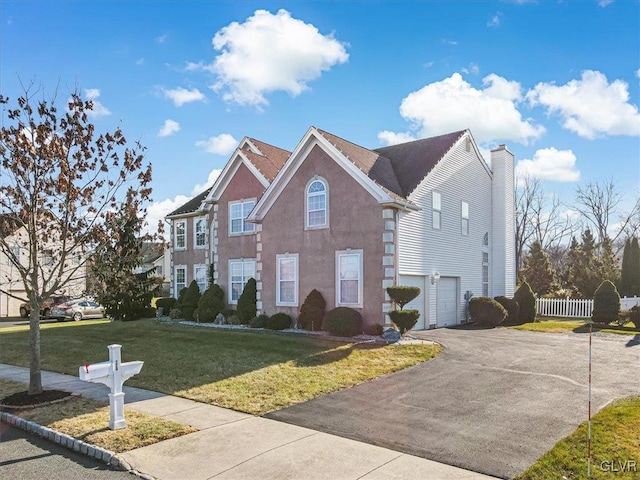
102 455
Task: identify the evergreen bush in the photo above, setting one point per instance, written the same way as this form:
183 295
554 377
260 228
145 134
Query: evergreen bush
247 302
634 316
404 319
343 322
260 321
606 303
279 321
403 294
312 311
190 301
526 302
486 311
210 304
166 304
511 306
175 313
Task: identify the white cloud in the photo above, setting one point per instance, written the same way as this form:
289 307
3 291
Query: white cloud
604 3
268 53
473 68
453 104
393 138
158 210
550 164
449 42
211 179
169 128
180 95
638 73
98 110
591 107
495 20
161 38
140 61
222 144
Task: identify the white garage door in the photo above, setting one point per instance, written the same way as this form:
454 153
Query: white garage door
418 303
447 302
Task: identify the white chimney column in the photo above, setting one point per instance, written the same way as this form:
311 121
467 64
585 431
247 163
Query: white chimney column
503 251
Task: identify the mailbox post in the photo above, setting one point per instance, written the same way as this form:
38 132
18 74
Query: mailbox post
112 374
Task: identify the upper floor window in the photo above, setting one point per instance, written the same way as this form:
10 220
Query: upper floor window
200 232
485 239
180 235
15 250
238 212
316 208
436 209
464 214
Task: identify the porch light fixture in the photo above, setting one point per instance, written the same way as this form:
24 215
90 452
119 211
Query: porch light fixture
435 278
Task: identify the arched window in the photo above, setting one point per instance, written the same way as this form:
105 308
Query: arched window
316 204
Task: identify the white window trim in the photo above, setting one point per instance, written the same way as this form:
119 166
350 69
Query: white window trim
195 274
463 218
360 253
279 303
176 291
434 209
244 223
175 234
195 233
244 281
316 178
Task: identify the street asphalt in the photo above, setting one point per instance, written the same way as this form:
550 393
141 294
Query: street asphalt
493 402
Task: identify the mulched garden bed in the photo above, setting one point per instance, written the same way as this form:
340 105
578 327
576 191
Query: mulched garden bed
24 400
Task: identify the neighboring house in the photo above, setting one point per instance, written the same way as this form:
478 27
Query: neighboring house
11 285
350 222
156 255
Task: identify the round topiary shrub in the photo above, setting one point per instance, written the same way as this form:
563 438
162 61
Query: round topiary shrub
511 306
403 294
312 311
486 311
606 303
527 303
279 321
343 322
166 304
404 319
260 321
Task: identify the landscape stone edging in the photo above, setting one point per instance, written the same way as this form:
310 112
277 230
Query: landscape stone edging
103 455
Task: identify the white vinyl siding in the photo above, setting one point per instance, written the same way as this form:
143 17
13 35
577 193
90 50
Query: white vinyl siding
436 205
180 235
180 276
238 212
240 271
200 232
200 276
464 218
349 275
485 274
316 203
287 280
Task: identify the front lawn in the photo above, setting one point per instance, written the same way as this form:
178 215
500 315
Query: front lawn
615 444
250 371
564 325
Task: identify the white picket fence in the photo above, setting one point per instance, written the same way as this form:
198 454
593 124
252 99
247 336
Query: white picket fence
575 307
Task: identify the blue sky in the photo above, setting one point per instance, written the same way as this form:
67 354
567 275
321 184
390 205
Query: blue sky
558 82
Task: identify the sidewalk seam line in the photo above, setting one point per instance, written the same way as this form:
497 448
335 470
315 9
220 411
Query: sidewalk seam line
380 466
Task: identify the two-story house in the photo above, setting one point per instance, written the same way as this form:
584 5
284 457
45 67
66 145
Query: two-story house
349 222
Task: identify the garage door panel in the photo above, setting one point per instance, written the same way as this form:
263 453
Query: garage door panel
447 302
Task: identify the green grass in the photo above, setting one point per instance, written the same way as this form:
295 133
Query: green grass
562 325
615 433
253 372
88 420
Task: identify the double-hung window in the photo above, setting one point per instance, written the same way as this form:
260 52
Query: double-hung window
238 212
349 278
180 272
485 274
240 271
464 214
316 204
200 276
436 208
200 232
180 235
287 280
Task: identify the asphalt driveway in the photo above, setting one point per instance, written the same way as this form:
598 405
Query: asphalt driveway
493 402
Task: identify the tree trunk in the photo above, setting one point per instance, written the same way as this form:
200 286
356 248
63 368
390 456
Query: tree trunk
35 376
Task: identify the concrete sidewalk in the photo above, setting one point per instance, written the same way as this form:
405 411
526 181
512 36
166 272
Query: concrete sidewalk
234 445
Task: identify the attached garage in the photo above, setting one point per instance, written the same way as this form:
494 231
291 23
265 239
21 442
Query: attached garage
447 302
419 303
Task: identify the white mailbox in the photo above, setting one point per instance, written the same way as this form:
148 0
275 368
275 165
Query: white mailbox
112 374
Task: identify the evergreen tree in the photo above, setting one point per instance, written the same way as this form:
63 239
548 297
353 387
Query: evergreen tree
608 262
630 275
190 301
538 272
584 274
247 302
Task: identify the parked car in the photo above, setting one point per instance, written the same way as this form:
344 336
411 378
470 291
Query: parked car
78 310
47 307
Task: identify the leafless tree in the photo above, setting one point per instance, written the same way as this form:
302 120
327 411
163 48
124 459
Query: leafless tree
597 203
528 191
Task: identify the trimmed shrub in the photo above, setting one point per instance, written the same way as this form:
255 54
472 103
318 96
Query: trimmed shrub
312 311
376 329
260 321
343 322
233 320
210 304
634 316
403 294
404 319
486 311
527 303
606 303
175 313
227 312
247 302
511 306
149 312
166 304
180 299
279 321
190 300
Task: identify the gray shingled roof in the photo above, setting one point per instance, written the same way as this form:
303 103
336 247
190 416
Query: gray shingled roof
191 206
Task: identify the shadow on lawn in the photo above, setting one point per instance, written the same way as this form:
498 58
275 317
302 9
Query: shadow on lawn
599 327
